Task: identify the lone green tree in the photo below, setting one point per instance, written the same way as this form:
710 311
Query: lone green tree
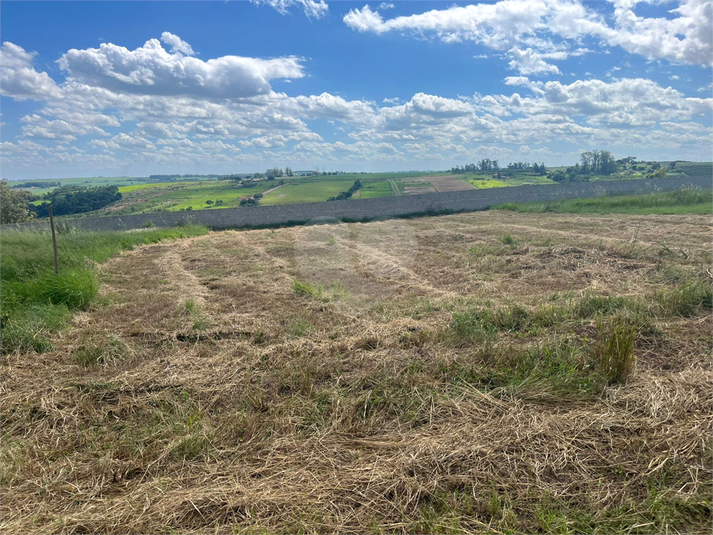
14 204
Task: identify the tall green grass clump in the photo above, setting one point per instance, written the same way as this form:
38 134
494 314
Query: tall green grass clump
688 299
305 289
34 302
614 349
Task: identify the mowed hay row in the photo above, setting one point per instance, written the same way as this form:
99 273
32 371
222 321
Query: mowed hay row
408 376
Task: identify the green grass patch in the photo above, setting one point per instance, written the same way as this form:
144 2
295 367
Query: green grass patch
305 289
93 352
508 178
198 317
34 301
305 190
136 187
301 327
488 183
561 370
571 366
480 323
373 190
687 300
507 239
683 201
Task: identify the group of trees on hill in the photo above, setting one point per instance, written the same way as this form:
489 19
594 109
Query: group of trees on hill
598 162
251 201
592 163
14 204
347 194
272 174
68 200
595 162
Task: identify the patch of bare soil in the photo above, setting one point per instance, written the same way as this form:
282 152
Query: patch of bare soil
312 379
448 183
416 185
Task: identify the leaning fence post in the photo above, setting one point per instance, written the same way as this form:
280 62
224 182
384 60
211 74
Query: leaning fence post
54 243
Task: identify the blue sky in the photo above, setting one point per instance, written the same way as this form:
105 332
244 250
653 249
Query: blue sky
138 88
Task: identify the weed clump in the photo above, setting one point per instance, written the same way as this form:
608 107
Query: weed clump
687 299
477 324
507 239
91 353
470 326
301 327
614 349
305 289
200 320
75 288
591 306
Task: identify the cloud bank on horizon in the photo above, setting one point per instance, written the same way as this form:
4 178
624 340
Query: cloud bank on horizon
166 107
551 29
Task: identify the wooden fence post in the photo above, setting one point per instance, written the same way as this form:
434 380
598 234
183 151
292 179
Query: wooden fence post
54 243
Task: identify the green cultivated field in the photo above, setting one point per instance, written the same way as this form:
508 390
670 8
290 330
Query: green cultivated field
174 196
121 181
304 190
486 180
372 190
84 181
319 189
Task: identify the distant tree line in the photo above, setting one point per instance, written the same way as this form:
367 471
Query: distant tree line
270 174
164 177
347 194
486 165
68 200
171 178
36 184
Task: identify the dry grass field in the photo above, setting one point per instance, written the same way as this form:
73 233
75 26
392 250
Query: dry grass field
437 375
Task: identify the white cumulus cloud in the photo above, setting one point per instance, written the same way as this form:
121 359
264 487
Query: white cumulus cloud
530 62
151 70
313 8
177 44
631 102
18 79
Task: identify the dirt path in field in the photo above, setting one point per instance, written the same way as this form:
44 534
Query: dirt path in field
273 189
